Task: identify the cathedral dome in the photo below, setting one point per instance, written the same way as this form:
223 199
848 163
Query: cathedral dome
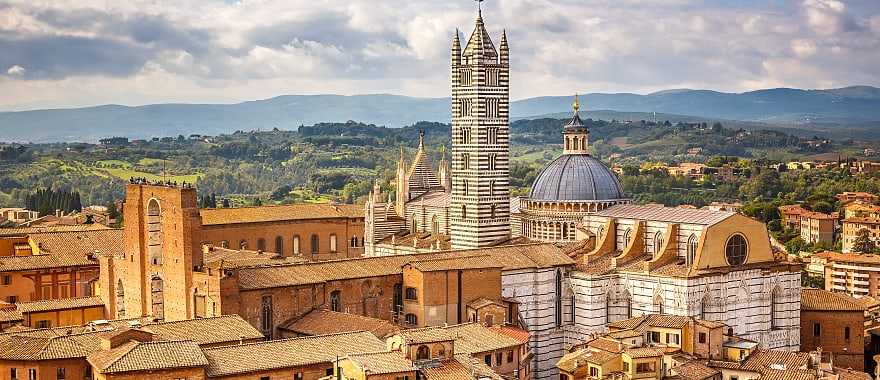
575 177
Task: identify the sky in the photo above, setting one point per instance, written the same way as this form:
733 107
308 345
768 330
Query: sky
90 52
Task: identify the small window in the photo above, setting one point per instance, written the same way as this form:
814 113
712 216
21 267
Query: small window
242 244
594 372
737 249
488 359
315 244
265 377
817 329
625 367
411 319
7 279
87 373
510 356
13 373
32 374
296 244
12 299
329 371
44 324
261 244
298 376
846 333
332 242
335 304
498 357
411 293
61 374
702 337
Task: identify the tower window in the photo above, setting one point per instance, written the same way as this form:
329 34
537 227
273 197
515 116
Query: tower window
465 161
492 161
492 135
465 135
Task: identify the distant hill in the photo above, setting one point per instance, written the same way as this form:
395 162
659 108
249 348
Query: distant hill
827 111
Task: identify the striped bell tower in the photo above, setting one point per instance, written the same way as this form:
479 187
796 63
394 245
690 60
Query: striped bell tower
480 204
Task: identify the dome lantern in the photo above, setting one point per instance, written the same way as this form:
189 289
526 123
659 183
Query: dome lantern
575 136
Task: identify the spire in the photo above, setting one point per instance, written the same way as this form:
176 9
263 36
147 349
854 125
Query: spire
422 140
480 45
575 135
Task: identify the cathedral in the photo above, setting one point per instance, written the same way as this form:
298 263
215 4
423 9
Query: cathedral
630 260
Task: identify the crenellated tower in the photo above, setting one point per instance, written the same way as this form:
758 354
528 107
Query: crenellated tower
480 205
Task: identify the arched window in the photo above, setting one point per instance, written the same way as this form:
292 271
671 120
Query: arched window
565 231
692 249
120 300
777 312
488 319
353 242
737 249
154 232
491 161
658 243
266 317
261 244
335 304
600 232
415 225
411 319
617 307
315 244
465 161
423 352
242 244
435 225
566 144
333 243
627 235
279 245
492 188
440 350
463 211
464 187
658 304
492 211
296 245
157 293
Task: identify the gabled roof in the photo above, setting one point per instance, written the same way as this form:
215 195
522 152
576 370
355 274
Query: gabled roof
59 304
666 214
24 231
469 338
823 300
322 322
384 362
285 353
231 258
148 356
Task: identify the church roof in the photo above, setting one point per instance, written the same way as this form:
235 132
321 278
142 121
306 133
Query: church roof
666 214
480 44
259 214
421 175
576 177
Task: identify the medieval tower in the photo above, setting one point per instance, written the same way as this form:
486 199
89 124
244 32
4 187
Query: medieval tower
480 201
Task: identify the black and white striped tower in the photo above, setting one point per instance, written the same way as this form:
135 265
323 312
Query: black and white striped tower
480 204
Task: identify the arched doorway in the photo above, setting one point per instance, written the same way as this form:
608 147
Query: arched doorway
154 232
120 300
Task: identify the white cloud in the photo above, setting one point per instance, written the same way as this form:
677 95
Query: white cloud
140 52
16 70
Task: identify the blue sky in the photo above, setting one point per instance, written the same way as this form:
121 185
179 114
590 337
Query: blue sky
88 52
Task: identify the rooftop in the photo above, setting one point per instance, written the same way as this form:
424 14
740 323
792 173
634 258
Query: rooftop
666 214
322 322
285 353
59 304
148 356
849 257
377 363
66 249
260 214
823 300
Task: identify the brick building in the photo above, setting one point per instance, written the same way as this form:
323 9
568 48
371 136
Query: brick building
860 216
813 226
836 323
53 262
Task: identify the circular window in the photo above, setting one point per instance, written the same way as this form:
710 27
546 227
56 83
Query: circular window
737 249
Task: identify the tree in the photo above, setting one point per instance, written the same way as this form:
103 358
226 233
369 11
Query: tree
863 242
794 246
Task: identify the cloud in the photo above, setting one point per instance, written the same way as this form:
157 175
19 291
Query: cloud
140 52
16 70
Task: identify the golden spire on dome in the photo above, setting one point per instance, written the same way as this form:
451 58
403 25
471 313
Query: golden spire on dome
577 103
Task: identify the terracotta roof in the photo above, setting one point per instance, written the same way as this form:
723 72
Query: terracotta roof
260 214
57 343
482 302
147 356
666 214
823 300
763 359
66 249
377 363
849 257
788 374
448 370
862 220
695 370
477 367
643 352
206 331
606 344
455 263
231 258
510 257
322 322
285 353
850 374
517 333
59 304
469 338
642 323
24 231
10 315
